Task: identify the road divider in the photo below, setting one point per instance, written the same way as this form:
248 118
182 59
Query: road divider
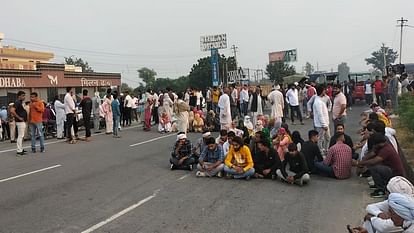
119 214
30 173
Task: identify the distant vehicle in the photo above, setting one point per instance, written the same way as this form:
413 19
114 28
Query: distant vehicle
359 80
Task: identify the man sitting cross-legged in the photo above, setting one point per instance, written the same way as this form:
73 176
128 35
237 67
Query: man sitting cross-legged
181 157
298 169
266 160
239 162
211 159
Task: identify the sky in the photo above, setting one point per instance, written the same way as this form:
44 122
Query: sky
125 35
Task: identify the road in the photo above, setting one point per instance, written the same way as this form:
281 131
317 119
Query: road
125 185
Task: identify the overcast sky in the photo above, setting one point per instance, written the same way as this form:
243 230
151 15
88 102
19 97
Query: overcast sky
125 35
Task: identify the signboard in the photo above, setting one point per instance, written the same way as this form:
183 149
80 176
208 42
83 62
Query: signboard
285 56
208 43
214 65
236 76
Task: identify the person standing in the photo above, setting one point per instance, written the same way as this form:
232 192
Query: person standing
181 109
20 116
321 119
86 105
155 113
368 92
107 109
234 100
60 117
70 110
96 103
255 105
128 108
393 92
244 100
36 122
147 110
292 98
209 99
225 109
379 94
216 96
339 106
116 115
135 108
12 122
276 100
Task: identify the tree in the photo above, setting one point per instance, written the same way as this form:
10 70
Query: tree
277 70
377 57
148 76
72 60
309 69
126 87
343 72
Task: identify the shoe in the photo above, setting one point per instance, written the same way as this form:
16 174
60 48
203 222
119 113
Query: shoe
117 136
200 174
60 138
25 151
220 174
20 153
42 150
378 193
172 167
374 187
190 167
33 151
302 123
13 141
247 178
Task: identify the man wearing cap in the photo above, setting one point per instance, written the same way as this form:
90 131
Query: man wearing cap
200 144
211 160
292 98
276 100
181 157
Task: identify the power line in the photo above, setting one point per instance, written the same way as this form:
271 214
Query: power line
402 24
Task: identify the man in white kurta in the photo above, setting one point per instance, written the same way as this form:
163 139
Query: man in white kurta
225 111
276 100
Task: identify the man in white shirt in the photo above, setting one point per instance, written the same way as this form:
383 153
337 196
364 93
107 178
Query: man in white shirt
339 106
276 100
292 98
225 110
368 92
128 108
321 119
209 99
244 100
70 110
135 108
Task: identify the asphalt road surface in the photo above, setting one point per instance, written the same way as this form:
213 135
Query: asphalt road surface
125 185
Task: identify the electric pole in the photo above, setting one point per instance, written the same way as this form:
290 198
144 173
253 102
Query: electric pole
385 50
235 48
402 24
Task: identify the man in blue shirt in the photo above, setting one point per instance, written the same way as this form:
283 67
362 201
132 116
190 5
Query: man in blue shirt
211 160
116 114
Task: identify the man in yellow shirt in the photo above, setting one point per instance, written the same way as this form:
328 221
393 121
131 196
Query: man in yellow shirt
215 99
239 162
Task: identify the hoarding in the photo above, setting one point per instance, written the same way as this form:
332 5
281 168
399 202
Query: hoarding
213 42
214 65
285 56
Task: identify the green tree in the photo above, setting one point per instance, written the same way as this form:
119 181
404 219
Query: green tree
126 87
309 69
72 60
148 76
343 71
277 70
377 57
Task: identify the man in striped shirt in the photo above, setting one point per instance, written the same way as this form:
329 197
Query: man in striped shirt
338 163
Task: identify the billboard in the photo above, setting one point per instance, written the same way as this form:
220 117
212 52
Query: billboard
213 42
286 56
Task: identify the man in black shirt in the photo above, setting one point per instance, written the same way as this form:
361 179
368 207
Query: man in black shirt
20 116
311 150
298 169
340 128
86 105
266 161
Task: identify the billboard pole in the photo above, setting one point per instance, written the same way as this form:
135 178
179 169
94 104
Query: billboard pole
234 48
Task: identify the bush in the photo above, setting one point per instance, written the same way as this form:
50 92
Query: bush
406 111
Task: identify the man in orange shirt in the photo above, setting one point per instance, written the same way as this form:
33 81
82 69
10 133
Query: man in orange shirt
37 108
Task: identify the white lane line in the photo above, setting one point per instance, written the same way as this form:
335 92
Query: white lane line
29 173
119 214
183 177
151 140
62 140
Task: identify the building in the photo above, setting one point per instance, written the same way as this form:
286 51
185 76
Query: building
31 71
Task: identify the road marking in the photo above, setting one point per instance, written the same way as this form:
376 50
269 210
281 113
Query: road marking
151 140
183 177
119 214
29 173
62 140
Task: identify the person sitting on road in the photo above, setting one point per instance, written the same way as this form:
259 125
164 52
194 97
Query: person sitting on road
239 162
281 142
211 160
311 151
298 169
222 138
377 218
258 136
200 144
297 139
181 157
266 161
340 128
338 162
228 143
383 163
